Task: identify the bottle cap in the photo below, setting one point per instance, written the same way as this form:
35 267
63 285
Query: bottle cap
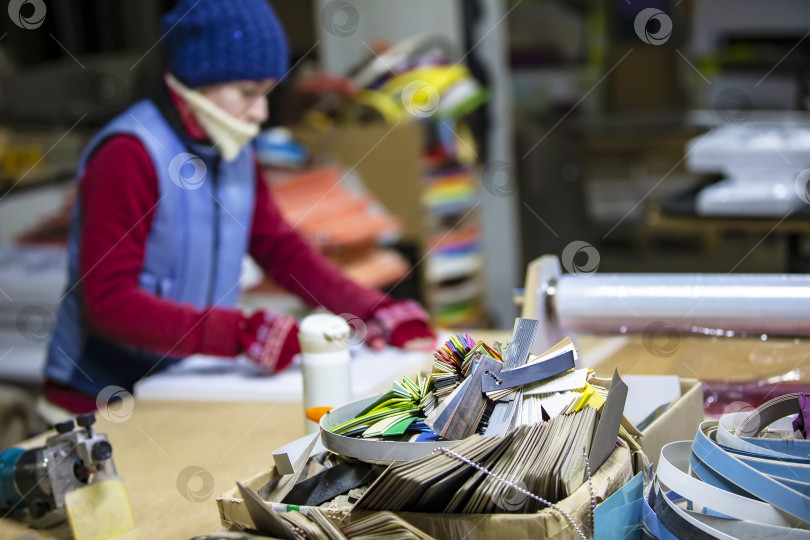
323 332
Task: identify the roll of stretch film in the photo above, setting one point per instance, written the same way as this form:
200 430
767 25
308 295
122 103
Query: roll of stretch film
753 303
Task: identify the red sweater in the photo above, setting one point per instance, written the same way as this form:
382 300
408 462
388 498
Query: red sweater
119 195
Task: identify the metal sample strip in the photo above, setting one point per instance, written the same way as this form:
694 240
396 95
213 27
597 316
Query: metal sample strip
503 415
529 373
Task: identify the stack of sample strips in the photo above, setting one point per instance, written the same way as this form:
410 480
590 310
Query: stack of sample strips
402 408
453 361
547 458
447 364
468 383
383 526
443 385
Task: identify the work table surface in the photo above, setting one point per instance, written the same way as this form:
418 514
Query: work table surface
234 441
152 447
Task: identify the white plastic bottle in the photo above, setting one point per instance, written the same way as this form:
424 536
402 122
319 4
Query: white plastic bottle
325 363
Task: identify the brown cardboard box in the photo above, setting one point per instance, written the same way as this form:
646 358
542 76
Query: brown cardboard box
548 523
678 423
644 81
388 160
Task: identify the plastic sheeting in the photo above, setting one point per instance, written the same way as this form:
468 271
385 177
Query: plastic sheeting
774 304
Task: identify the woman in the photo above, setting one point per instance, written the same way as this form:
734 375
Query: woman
170 199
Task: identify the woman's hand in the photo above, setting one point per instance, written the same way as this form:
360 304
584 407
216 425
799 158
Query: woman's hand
270 339
400 323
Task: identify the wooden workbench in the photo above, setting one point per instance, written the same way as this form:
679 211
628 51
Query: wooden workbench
233 441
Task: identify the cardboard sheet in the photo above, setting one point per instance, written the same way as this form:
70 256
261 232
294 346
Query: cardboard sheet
209 378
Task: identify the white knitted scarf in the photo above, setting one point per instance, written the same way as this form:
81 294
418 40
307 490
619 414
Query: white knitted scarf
228 133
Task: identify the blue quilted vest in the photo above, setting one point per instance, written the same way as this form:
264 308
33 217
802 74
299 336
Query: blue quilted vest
194 250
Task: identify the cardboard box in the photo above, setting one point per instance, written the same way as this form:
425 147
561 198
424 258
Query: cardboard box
678 423
548 523
644 81
388 160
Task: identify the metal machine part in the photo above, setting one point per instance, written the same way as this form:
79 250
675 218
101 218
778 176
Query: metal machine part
773 304
34 482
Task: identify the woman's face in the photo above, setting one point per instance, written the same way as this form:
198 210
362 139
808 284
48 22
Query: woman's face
246 100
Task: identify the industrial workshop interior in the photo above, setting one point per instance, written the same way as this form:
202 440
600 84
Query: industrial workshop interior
424 269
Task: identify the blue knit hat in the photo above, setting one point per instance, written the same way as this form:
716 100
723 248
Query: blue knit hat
218 41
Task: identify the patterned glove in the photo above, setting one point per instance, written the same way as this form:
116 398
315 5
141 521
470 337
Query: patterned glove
401 323
269 339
